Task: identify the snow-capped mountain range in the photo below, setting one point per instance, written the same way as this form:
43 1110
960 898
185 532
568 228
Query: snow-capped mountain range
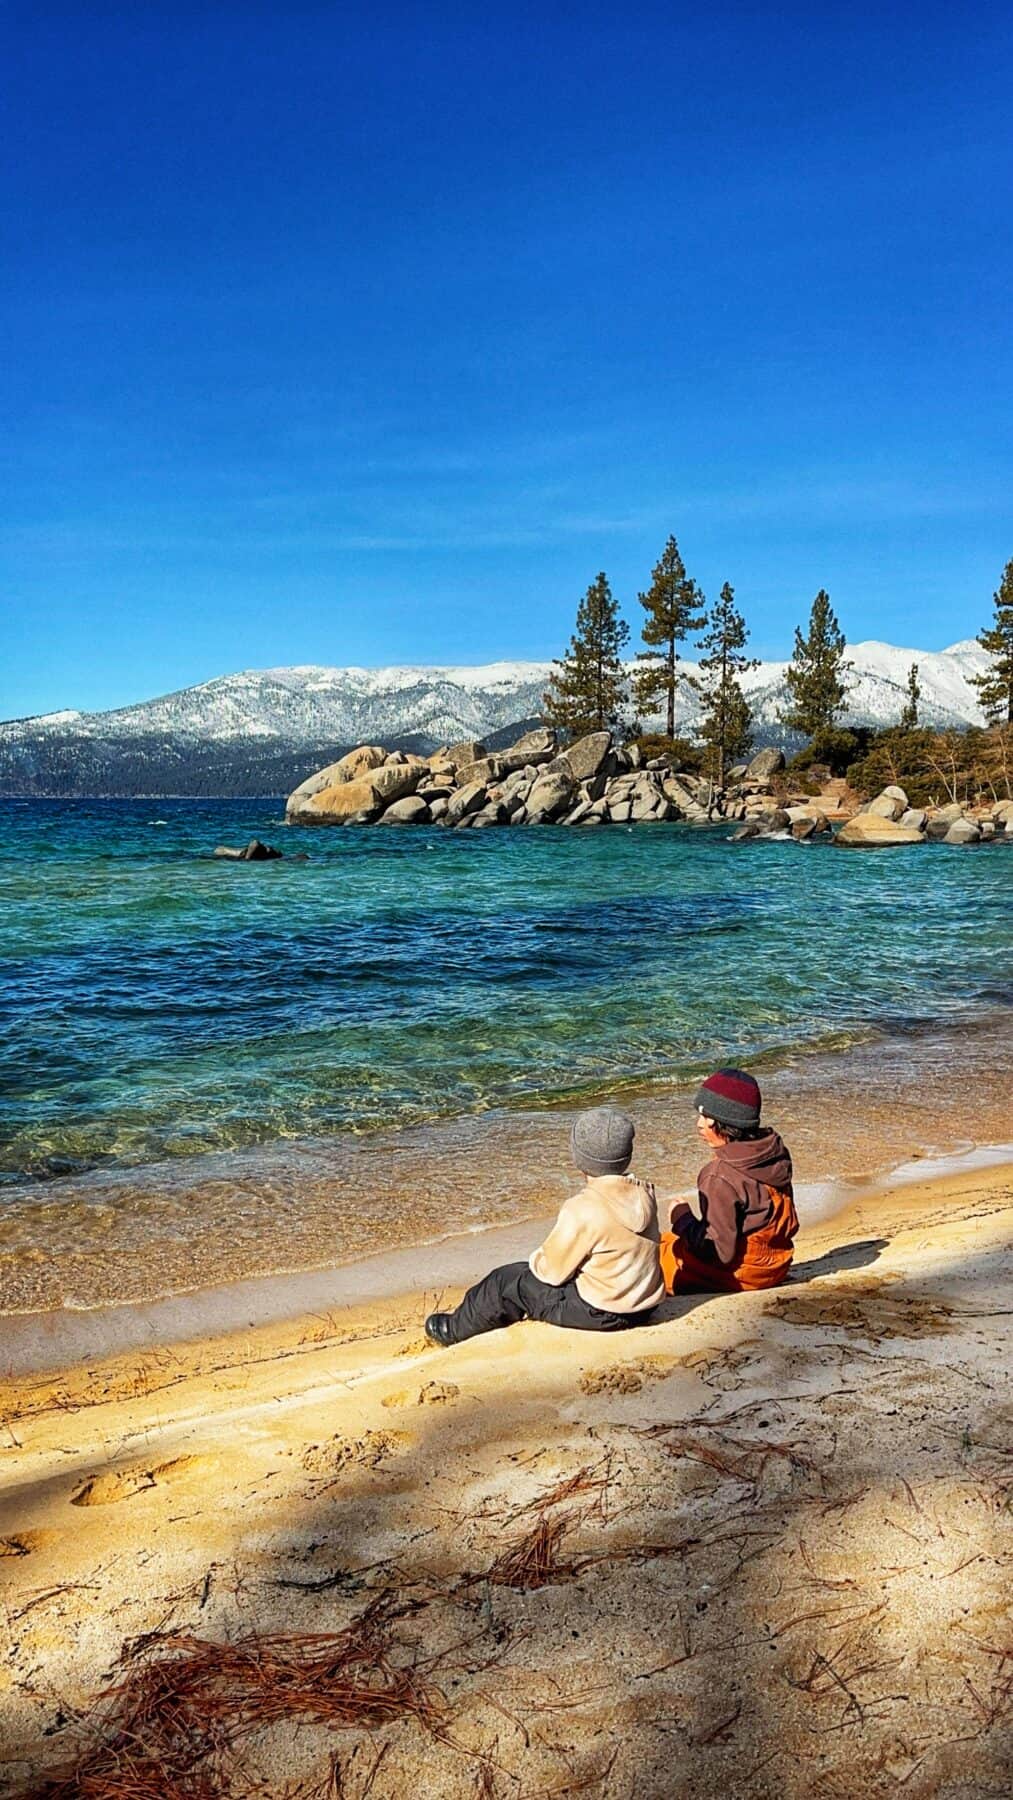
285 719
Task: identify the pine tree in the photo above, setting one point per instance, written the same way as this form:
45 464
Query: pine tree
815 673
587 689
909 717
995 686
672 604
725 726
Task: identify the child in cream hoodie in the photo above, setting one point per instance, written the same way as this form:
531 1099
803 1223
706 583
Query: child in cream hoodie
599 1268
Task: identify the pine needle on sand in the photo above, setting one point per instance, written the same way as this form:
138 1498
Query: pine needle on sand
533 1562
170 1729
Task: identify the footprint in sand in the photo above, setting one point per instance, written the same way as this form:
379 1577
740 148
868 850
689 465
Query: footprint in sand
627 1378
611 1381
22 1543
435 1393
123 1484
367 1452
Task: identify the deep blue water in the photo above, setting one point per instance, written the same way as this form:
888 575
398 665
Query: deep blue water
155 1003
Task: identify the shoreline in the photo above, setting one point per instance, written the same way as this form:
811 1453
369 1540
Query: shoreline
300 1209
47 1341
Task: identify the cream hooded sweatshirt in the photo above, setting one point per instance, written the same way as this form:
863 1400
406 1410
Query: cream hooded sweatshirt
606 1236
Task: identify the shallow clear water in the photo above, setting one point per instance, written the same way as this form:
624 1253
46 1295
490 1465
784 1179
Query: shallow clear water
156 1004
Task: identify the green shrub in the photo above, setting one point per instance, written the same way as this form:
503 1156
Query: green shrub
835 747
681 753
896 758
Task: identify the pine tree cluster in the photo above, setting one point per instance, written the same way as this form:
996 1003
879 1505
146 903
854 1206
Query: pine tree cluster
588 688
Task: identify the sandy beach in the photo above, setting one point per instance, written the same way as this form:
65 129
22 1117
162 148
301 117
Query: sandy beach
762 1547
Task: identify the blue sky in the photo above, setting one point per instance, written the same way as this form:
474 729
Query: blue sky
356 335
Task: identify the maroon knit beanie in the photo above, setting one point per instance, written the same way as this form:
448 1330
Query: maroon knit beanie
731 1097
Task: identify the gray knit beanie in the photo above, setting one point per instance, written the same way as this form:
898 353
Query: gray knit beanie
602 1141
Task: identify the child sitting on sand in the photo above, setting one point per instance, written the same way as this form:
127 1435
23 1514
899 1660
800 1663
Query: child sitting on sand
598 1269
744 1236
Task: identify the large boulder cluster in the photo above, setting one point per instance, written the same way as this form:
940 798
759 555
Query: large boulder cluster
596 782
534 782
890 820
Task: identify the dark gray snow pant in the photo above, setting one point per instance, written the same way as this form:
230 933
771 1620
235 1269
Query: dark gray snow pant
511 1292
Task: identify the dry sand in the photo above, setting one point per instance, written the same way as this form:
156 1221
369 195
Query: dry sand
761 1548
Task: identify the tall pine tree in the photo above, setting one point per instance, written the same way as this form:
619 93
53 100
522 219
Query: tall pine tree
587 689
725 726
672 604
816 672
995 685
909 717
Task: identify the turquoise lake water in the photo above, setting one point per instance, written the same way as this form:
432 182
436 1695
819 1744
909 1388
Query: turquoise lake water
156 1004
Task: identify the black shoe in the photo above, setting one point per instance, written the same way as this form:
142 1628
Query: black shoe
439 1330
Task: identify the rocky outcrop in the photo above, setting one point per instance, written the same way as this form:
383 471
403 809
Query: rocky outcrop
889 819
591 782
594 782
533 749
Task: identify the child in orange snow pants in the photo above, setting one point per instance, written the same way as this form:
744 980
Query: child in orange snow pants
744 1237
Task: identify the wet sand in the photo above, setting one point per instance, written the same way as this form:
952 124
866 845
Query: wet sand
761 1548
105 1239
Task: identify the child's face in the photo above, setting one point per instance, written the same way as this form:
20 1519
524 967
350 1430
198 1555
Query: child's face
711 1133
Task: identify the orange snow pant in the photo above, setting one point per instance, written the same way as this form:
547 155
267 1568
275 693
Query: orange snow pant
761 1260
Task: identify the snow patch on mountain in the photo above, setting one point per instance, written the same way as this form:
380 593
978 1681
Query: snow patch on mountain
310 705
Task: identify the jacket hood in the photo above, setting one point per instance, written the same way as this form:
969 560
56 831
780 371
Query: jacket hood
630 1202
764 1158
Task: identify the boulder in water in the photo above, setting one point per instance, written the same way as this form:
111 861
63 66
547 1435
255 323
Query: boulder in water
890 804
347 768
550 797
466 801
254 851
963 831
412 810
872 831
368 793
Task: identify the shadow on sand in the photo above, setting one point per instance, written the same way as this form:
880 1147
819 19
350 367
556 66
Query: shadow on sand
715 1584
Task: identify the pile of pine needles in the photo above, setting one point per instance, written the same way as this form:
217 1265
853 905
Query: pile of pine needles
532 1562
170 1730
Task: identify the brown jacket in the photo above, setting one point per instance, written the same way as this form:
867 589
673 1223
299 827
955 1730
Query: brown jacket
735 1198
607 1236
